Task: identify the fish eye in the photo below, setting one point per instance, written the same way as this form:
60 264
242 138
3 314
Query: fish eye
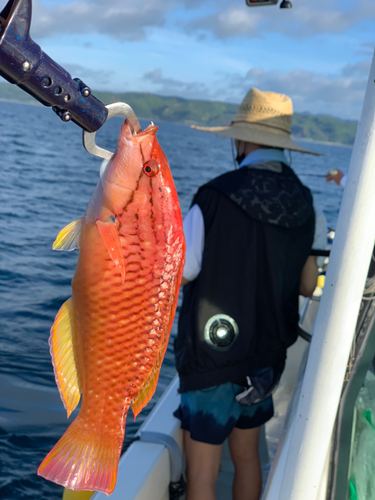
150 168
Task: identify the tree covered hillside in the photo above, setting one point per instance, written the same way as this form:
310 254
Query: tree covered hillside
324 128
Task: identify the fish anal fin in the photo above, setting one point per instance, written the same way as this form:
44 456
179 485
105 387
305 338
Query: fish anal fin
68 238
146 392
62 353
110 236
84 459
77 495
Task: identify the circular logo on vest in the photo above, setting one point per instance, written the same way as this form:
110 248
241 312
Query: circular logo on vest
220 332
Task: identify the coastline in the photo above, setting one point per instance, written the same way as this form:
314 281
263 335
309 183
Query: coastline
306 139
16 101
303 139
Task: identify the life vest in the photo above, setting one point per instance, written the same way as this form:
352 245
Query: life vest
241 312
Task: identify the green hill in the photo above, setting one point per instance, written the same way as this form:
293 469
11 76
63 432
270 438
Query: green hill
324 128
209 113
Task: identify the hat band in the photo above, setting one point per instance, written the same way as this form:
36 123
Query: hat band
262 124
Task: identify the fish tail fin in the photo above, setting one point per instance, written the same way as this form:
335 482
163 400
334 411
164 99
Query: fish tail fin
84 459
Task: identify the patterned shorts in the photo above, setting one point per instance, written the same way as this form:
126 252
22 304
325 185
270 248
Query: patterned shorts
211 414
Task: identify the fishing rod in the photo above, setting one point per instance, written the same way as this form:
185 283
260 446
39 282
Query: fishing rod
23 63
285 4
310 175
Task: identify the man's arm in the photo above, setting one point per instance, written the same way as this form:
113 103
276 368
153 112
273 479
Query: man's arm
336 176
194 237
309 276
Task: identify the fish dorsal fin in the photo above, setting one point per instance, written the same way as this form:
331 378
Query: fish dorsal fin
62 353
146 391
68 238
109 233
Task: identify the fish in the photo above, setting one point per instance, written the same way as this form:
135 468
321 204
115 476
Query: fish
109 338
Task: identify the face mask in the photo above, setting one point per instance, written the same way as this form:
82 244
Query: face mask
240 157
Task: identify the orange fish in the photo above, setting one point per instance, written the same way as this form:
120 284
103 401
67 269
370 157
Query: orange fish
108 340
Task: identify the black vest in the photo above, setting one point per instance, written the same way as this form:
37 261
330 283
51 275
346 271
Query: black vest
259 229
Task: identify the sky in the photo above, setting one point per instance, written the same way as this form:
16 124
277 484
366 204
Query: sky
319 52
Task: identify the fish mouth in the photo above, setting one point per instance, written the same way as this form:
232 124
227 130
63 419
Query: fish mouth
150 130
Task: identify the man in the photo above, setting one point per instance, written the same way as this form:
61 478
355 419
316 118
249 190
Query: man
249 234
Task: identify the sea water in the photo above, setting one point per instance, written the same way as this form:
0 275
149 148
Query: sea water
46 180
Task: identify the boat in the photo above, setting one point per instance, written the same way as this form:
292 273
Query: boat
321 443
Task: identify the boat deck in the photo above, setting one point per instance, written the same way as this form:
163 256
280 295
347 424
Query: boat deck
272 430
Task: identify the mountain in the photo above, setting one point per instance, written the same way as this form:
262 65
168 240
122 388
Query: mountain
207 113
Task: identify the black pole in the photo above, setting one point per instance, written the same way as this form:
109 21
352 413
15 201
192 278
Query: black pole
23 63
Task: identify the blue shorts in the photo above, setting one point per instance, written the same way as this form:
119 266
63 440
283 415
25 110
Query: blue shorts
211 414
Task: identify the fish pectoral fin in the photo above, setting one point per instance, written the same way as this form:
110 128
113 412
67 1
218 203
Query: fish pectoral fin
68 238
110 235
62 353
146 391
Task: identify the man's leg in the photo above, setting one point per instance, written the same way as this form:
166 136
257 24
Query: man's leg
244 450
202 467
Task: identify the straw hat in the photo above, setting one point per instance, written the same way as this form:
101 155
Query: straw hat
263 118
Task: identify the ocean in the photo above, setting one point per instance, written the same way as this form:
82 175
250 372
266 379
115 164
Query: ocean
46 180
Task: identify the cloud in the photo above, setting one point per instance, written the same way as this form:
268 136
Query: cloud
367 49
360 68
124 20
329 16
171 86
306 18
233 21
129 20
87 74
339 95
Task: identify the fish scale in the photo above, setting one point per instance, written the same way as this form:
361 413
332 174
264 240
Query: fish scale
109 339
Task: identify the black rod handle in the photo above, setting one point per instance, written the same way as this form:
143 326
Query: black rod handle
23 63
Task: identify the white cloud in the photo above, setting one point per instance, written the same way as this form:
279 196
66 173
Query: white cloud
367 49
130 19
306 18
179 88
101 78
339 95
122 20
233 21
360 68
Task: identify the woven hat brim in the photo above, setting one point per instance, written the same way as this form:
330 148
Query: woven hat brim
257 134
